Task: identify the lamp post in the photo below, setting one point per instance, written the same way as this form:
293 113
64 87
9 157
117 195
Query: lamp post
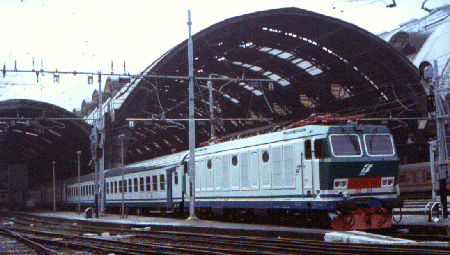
121 137
54 187
79 187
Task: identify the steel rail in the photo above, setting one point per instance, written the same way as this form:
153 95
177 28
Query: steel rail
31 244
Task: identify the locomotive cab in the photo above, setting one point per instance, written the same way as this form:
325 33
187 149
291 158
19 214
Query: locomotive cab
361 167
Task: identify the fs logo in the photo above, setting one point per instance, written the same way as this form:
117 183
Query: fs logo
365 169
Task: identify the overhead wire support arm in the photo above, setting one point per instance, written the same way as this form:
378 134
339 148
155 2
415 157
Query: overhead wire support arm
136 76
46 118
205 119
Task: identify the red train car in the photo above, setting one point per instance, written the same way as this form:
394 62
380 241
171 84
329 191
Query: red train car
414 180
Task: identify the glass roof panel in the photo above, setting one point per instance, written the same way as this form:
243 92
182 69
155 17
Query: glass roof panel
256 68
304 64
295 61
274 77
285 55
314 70
275 52
284 82
257 92
265 49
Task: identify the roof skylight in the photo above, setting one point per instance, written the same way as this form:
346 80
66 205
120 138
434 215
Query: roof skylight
275 52
285 55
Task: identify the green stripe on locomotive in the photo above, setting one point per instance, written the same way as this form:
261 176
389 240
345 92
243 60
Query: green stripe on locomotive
332 167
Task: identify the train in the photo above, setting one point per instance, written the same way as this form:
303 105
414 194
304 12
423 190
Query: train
345 175
415 181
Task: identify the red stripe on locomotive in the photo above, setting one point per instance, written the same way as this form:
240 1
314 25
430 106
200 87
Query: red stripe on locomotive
364 183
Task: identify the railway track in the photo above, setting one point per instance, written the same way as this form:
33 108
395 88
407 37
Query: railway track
69 238
11 246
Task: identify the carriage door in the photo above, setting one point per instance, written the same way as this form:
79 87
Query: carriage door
318 155
169 186
307 168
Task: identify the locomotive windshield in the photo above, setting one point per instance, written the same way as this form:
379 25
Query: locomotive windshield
379 144
345 145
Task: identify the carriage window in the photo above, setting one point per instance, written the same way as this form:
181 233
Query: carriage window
147 184
130 185
379 144
345 145
308 150
409 178
209 164
234 160
265 156
428 175
155 182
319 151
120 186
175 177
107 188
162 182
419 177
141 184
115 187
135 184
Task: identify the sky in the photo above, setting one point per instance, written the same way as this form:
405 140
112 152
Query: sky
86 35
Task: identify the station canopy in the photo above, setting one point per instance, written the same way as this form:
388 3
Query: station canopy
303 63
36 134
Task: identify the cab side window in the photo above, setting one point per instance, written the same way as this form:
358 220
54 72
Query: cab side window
319 150
308 149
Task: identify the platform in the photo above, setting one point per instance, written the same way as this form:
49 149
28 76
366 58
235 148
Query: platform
409 223
173 224
419 224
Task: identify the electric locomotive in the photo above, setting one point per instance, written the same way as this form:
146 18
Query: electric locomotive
345 172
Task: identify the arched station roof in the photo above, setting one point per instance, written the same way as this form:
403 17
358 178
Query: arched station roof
315 63
37 133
